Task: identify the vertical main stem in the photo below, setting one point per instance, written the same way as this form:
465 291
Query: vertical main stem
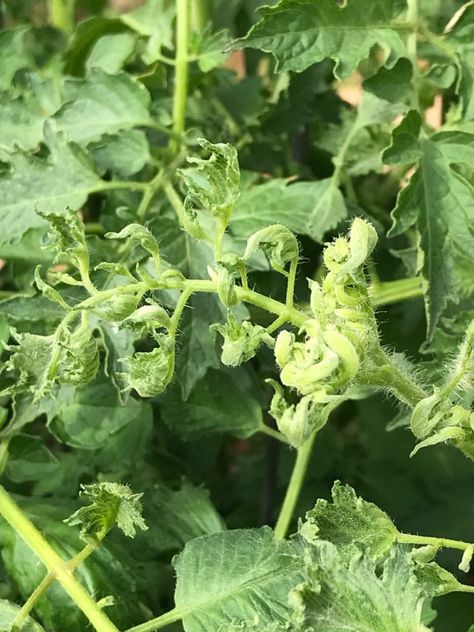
294 487
181 72
412 48
54 563
62 14
199 14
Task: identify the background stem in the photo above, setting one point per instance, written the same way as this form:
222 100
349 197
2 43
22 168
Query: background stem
62 14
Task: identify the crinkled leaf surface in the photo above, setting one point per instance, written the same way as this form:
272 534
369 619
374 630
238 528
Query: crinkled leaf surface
300 33
341 595
236 578
350 520
63 180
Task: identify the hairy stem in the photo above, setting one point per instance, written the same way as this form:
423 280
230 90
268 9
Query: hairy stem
181 75
294 488
275 434
54 563
424 540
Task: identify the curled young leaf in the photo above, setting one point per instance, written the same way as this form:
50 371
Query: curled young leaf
277 242
116 308
110 504
140 235
147 319
67 237
150 372
213 184
79 361
347 256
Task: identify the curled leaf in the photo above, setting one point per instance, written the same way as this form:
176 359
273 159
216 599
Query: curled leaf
110 504
277 242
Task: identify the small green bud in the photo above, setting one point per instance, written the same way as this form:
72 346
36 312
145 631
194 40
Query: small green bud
241 340
116 308
147 318
283 347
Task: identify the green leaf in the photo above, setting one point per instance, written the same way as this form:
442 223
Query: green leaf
306 208
236 580
109 104
13 53
300 34
123 154
110 52
110 504
21 123
153 20
349 521
29 459
341 594
210 409
64 180
94 414
189 514
209 48
8 612
459 39
439 202
392 84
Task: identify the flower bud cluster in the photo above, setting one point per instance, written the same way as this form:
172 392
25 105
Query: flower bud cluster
335 340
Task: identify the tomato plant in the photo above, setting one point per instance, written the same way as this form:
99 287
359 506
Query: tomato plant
237 315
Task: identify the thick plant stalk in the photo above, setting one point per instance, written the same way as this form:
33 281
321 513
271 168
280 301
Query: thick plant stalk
54 563
62 14
181 76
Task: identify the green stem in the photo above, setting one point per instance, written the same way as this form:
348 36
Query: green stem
412 49
423 540
62 14
159 622
389 292
386 374
29 604
274 434
200 15
175 201
178 311
54 563
294 488
181 75
290 288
